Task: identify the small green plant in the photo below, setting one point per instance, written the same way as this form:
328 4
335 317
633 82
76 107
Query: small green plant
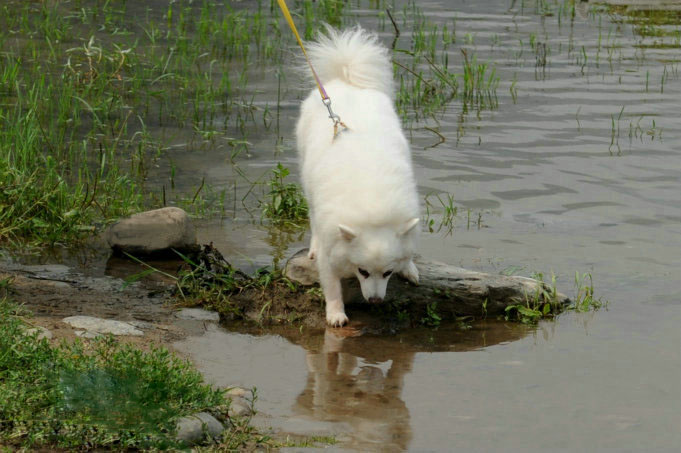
285 201
584 295
542 303
432 318
526 314
449 212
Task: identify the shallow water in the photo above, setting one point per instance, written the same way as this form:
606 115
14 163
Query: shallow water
556 193
562 180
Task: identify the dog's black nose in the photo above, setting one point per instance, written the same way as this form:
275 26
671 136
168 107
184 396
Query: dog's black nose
375 300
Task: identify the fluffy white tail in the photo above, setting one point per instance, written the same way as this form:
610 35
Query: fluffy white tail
354 56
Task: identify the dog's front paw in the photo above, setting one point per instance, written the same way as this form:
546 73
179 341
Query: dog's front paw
411 273
311 254
336 319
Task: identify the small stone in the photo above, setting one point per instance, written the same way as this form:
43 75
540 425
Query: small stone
42 332
194 428
238 409
159 230
101 326
198 314
238 392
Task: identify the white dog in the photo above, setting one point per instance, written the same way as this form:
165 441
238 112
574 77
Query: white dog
359 184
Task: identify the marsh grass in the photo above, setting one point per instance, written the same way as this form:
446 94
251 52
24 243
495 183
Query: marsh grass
585 300
98 394
426 83
284 202
264 297
542 303
84 89
448 212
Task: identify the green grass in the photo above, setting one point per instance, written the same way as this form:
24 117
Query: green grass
585 300
87 91
98 394
427 85
208 280
448 213
431 318
284 203
542 304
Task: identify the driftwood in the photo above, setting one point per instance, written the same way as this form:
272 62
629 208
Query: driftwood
450 292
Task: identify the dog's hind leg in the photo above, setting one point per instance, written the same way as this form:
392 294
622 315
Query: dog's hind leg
312 252
410 272
333 294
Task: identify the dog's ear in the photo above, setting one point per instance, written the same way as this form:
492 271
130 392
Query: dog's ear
407 227
347 233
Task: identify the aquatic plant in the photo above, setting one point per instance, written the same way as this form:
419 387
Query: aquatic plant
447 217
541 304
584 300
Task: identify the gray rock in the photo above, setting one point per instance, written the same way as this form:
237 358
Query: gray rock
458 291
196 429
42 332
142 324
153 232
238 408
198 314
101 326
238 392
86 334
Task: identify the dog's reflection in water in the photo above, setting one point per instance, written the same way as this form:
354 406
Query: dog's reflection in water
361 388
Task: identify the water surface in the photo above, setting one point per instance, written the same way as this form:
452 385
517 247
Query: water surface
573 176
578 168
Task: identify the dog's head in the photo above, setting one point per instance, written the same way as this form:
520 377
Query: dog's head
376 253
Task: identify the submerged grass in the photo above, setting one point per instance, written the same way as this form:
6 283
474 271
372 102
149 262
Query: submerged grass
542 303
92 394
83 84
426 83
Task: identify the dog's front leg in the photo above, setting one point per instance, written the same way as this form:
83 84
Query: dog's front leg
410 272
333 294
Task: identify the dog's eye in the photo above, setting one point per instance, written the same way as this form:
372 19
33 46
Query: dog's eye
364 273
386 274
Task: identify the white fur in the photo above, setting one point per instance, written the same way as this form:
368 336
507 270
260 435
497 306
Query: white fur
360 186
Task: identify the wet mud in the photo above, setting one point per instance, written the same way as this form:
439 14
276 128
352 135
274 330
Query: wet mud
53 292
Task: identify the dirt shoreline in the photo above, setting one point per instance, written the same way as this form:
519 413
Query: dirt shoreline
54 292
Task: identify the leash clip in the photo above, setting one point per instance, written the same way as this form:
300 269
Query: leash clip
334 117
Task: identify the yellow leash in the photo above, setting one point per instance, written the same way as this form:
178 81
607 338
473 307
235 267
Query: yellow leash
325 97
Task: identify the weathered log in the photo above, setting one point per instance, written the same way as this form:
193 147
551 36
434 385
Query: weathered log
452 291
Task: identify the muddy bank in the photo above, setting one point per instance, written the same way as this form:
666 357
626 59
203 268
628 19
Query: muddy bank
54 292
292 296
267 298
